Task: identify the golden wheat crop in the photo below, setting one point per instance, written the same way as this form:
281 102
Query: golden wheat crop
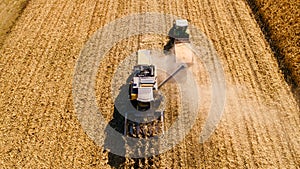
281 21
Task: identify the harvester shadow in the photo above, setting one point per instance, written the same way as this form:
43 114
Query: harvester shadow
117 123
116 161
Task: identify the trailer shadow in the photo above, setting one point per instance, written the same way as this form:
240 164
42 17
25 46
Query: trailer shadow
117 123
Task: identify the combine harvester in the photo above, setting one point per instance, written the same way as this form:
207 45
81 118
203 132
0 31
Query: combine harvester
144 97
144 94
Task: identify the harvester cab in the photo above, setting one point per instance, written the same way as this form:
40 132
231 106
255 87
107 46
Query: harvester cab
143 84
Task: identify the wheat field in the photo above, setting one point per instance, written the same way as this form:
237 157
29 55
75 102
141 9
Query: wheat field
39 128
